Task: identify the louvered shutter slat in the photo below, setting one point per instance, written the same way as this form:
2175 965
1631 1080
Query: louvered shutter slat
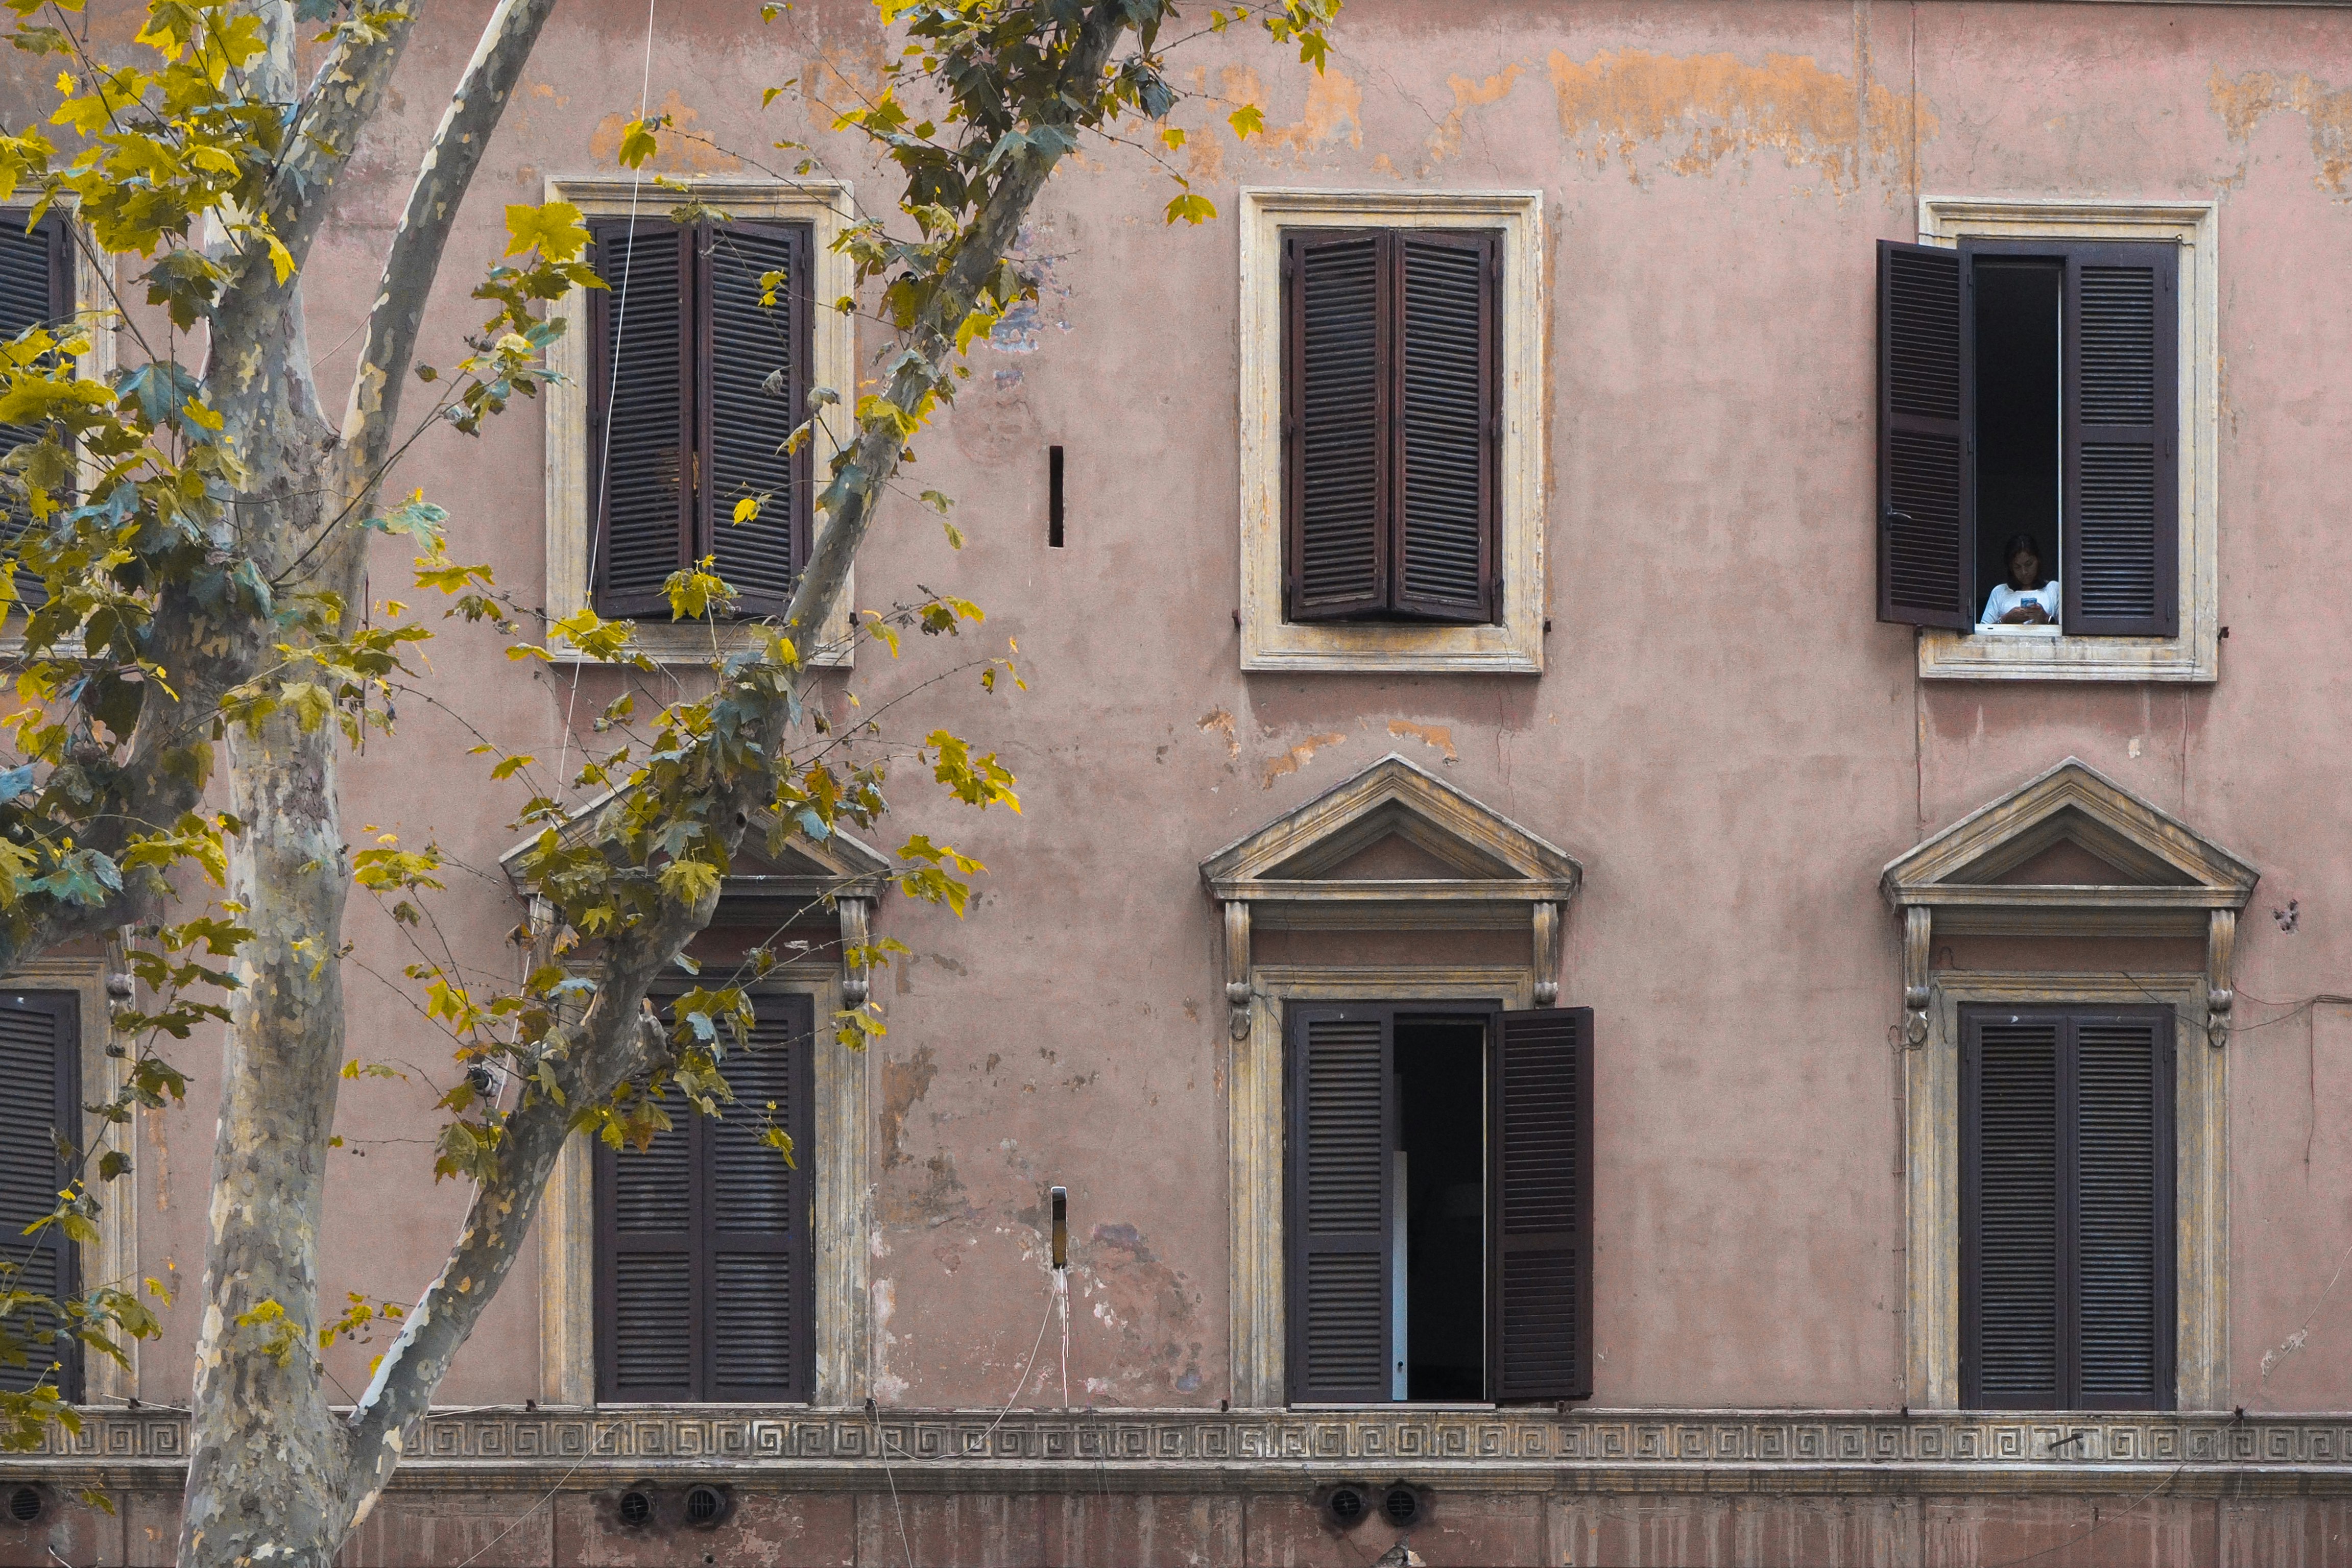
1334 408
2123 1224
2012 1196
641 416
1541 1290
1446 544
746 423
1925 532
2121 560
36 288
1342 1128
37 1093
760 1214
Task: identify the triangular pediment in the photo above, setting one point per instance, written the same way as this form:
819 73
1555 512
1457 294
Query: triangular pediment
2071 838
801 867
1394 833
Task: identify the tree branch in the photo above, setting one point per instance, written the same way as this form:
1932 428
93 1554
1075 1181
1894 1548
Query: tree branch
342 99
416 254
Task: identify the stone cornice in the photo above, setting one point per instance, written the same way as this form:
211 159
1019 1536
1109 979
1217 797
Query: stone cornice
1246 1450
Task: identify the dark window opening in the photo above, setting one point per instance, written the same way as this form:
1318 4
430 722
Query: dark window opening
1439 1203
1054 496
2017 416
1392 425
698 375
40 1085
1440 1073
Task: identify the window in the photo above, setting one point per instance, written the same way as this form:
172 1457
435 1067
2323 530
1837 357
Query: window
37 288
2066 1209
696 422
40 1090
694 386
1440 1194
1389 424
1390 403
2029 390
704 1262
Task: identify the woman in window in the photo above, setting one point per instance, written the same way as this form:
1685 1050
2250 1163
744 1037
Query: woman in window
2024 600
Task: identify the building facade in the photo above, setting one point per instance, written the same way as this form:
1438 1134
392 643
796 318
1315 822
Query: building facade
1530 1077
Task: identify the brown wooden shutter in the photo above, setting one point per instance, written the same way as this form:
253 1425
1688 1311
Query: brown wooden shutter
35 288
1335 413
1342 1126
1927 524
1446 447
1540 1260
2066 1209
641 421
2124 1233
760 1345
754 379
39 1092
2120 390
704 1277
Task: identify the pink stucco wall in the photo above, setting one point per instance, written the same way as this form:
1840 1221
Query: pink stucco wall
1723 734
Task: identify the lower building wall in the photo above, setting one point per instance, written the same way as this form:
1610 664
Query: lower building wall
1286 1526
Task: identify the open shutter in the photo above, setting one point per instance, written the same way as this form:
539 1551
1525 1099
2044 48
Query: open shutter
1446 442
641 414
759 1217
38 1092
1342 1126
2123 1200
649 1334
2121 393
1335 418
2010 1277
1539 1336
1927 524
754 373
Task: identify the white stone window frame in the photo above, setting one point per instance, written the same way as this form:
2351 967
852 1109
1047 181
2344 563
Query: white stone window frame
826 206
1513 646
2194 656
2200 1181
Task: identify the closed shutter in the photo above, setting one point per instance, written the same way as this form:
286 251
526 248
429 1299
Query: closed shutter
703 1283
1447 445
1925 521
754 380
2121 391
641 414
1335 425
1342 1126
36 288
2066 1209
39 1093
1539 1336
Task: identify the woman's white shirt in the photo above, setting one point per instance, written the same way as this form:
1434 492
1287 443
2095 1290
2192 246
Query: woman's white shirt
2005 599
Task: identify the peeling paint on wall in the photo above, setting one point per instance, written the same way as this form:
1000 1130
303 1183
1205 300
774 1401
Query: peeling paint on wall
1298 756
1437 736
1221 721
683 149
903 1083
1334 110
1699 110
2241 101
1446 140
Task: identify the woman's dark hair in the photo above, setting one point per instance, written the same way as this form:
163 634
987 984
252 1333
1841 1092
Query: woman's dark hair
2018 542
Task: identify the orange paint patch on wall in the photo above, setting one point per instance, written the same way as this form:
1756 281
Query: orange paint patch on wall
1299 756
1437 736
1700 110
1335 108
683 151
1446 140
2243 101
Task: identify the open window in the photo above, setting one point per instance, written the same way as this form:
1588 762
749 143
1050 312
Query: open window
2030 388
1440 1195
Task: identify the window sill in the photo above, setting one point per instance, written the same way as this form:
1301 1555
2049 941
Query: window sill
695 643
1514 647
2046 654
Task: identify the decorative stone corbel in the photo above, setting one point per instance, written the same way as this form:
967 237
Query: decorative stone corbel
1547 938
2220 940
1918 930
854 915
1237 966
